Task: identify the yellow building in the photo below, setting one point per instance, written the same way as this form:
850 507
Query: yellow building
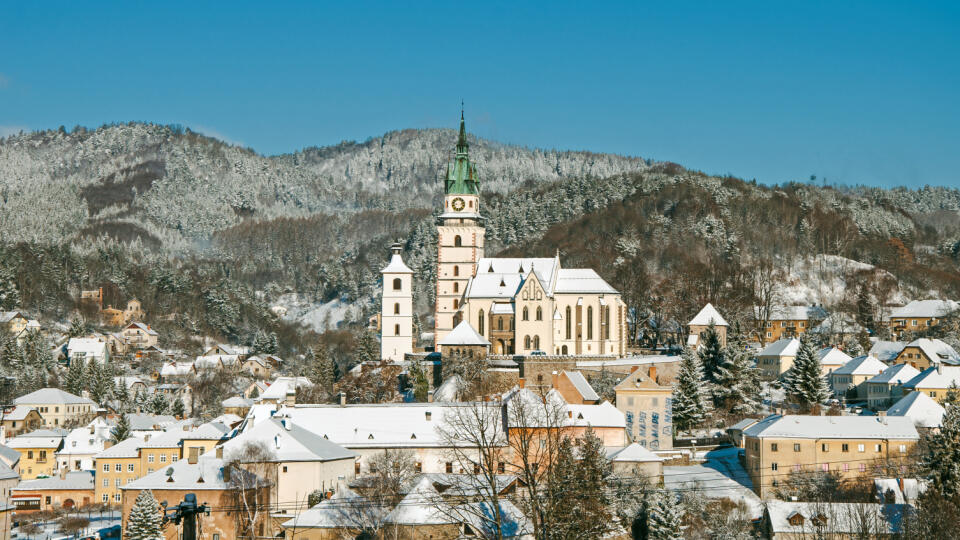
885 388
37 450
20 419
137 335
789 321
934 381
850 379
918 315
923 353
646 406
702 321
58 408
16 322
854 447
777 358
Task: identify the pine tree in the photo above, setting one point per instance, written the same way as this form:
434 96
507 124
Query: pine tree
804 382
157 404
145 519
78 328
689 395
322 371
852 346
121 431
122 394
418 378
737 385
711 353
140 399
663 518
9 293
75 380
99 382
367 348
941 460
177 408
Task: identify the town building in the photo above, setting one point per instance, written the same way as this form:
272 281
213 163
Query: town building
214 484
789 321
37 450
831 359
884 388
702 321
885 351
921 409
934 381
574 388
647 409
20 419
345 514
87 349
9 478
71 491
636 460
137 335
777 358
13 322
923 353
396 309
849 380
790 520
852 446
81 445
57 407
464 341
283 390
918 315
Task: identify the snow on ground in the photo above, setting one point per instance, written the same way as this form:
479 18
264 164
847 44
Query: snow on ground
51 529
821 279
720 476
318 317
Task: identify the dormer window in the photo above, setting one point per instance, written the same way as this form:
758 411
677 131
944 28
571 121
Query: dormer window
370 436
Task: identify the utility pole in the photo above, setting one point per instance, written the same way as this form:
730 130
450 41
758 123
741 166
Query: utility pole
186 513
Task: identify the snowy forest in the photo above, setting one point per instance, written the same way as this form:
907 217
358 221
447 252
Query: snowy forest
211 236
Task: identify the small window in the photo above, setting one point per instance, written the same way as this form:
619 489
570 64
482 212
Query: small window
130 467
539 313
773 447
457 241
284 468
859 448
773 466
456 271
106 467
397 284
396 329
396 308
844 447
796 447
456 287
449 467
824 447
118 467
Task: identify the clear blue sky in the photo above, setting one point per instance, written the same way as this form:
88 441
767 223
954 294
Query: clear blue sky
863 92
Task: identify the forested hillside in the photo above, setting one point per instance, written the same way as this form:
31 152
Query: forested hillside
215 233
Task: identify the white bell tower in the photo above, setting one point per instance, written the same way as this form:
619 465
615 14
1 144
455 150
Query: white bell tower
396 311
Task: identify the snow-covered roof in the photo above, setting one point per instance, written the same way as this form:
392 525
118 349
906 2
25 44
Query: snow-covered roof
833 517
378 425
539 412
289 442
912 488
344 510
924 309
422 506
6 473
279 388
743 424
581 280
128 381
396 266
41 438
206 474
18 413
73 480
464 335
498 286
861 365
209 362
480 516
52 395
896 374
707 315
919 407
91 347
7 316
634 453
935 377
886 351
543 267
838 323
936 350
833 427
237 401
794 313
450 389
781 347
174 369
582 385
502 308
832 356
140 326
127 448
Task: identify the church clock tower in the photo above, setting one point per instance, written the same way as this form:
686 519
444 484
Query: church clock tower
460 235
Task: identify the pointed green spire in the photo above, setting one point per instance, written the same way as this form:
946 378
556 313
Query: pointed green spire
462 177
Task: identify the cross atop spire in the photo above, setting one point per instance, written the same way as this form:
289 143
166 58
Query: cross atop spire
462 145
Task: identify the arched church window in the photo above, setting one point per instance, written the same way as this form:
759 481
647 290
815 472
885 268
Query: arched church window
606 329
456 269
456 304
536 342
526 313
396 329
456 287
457 242
480 324
526 342
589 322
499 323
396 308
539 313
569 317
563 350
397 284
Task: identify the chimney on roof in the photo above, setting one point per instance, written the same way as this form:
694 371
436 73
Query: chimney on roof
343 399
652 373
226 475
634 368
430 396
220 452
521 382
193 456
881 414
286 424
63 473
940 368
428 415
554 380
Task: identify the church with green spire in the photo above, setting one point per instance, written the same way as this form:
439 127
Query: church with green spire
462 177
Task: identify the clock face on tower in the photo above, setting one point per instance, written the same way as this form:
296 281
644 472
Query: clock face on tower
458 204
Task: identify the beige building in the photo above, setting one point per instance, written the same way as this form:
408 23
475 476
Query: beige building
137 335
702 321
646 406
59 408
852 446
851 378
934 381
574 388
918 315
396 309
885 388
789 321
777 358
74 490
14 322
832 359
923 353
20 419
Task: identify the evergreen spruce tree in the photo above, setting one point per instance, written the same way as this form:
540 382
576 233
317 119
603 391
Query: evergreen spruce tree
737 387
99 382
121 431
664 519
852 346
804 382
140 399
367 348
75 380
9 293
322 372
941 461
689 395
421 386
177 408
78 328
122 394
145 520
157 404
711 353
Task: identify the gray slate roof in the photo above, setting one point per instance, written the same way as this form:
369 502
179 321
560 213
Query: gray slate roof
52 395
72 480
